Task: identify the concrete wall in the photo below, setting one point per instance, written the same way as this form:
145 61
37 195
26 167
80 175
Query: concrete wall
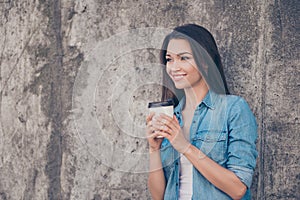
75 83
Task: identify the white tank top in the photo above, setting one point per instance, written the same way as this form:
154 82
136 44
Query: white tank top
185 178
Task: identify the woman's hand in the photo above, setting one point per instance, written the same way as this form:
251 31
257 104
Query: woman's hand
154 142
169 128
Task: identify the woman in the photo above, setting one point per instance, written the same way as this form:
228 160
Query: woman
208 148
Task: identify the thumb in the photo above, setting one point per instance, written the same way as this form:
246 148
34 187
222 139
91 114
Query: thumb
174 117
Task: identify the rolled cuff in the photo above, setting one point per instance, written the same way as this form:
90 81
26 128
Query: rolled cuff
244 174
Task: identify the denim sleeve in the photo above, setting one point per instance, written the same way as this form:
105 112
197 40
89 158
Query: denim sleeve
242 151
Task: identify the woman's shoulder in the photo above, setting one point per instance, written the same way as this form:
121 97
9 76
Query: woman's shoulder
235 100
233 104
238 107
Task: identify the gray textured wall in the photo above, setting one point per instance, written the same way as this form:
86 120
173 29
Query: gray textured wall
74 87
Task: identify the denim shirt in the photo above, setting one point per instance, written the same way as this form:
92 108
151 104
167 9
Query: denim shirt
224 128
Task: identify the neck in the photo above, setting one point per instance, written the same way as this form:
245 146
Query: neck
194 96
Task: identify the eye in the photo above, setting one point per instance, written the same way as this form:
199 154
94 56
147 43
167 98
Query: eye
185 58
168 59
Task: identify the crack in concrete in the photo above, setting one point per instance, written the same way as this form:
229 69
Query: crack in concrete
54 147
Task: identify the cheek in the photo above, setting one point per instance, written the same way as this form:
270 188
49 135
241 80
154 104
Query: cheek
168 70
190 66
192 69
195 73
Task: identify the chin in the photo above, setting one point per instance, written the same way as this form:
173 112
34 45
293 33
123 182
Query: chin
180 86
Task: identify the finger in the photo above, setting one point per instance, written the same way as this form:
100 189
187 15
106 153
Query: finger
163 134
155 135
149 124
165 116
150 135
170 122
165 129
150 130
175 118
156 122
161 118
149 117
161 127
154 127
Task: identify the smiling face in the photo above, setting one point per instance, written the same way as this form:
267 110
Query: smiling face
181 66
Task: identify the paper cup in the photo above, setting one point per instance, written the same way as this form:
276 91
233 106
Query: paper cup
165 107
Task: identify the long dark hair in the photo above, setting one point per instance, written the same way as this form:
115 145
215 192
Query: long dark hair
206 55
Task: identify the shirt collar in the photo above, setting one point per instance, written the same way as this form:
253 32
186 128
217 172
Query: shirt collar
209 101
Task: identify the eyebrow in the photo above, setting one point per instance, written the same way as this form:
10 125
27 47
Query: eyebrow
180 53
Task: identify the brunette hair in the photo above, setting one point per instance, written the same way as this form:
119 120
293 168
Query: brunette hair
206 55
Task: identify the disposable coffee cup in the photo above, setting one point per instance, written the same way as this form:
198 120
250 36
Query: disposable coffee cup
165 107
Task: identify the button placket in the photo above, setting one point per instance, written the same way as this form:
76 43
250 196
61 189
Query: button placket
197 119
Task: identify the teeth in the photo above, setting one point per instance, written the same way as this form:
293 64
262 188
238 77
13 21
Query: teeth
178 77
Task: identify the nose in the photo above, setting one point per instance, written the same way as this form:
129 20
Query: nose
175 66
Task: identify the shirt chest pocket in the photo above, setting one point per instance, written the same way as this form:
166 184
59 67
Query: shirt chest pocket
213 143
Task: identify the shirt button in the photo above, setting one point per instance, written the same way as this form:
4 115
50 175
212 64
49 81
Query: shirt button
194 121
176 184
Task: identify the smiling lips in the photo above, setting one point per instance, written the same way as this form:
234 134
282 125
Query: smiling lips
178 77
